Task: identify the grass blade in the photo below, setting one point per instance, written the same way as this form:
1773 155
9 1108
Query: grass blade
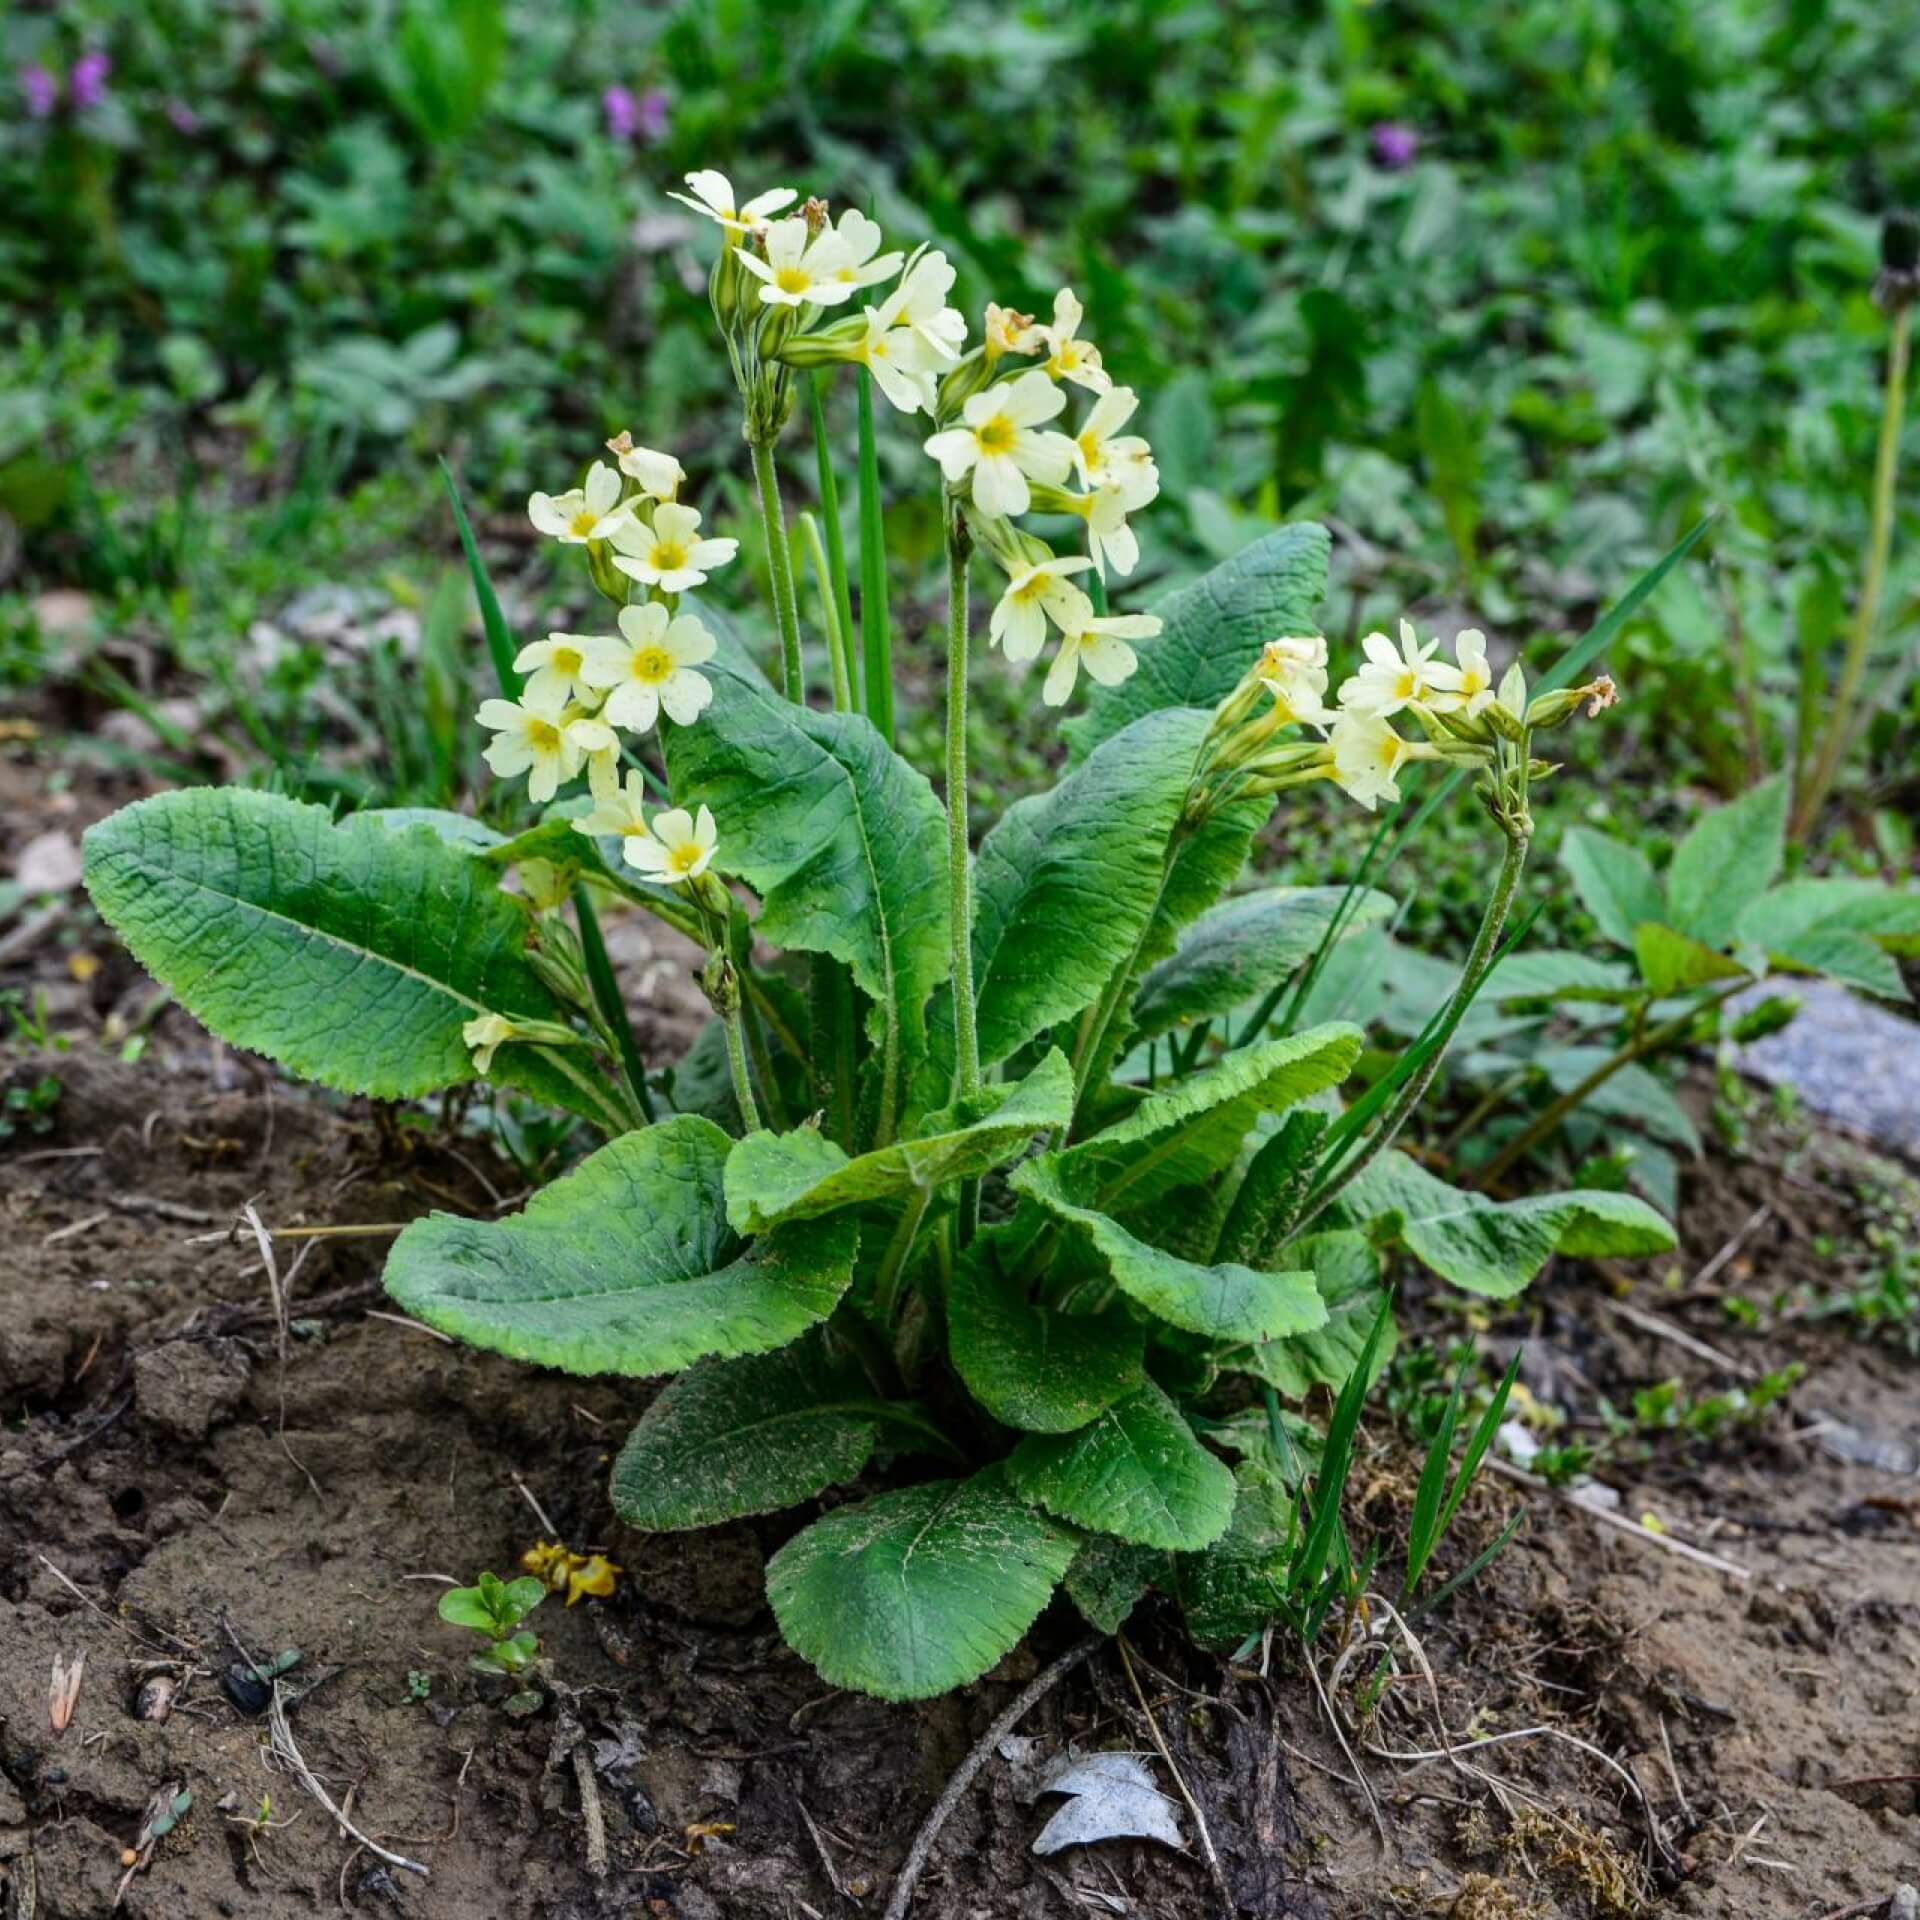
876 638
1474 1567
499 641
1482 1439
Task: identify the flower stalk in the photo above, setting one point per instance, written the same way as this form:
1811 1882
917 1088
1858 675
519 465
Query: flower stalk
959 868
786 607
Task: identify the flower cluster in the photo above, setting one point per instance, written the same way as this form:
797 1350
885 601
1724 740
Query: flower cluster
1454 703
582 691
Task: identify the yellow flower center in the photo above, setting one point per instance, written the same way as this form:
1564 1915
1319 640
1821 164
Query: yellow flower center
543 736
1089 445
1030 589
567 660
652 665
792 279
1407 687
996 435
583 522
669 556
685 857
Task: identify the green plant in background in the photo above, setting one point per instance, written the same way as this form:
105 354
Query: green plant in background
495 1608
916 1196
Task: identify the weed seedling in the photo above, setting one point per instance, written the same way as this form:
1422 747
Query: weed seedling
495 1608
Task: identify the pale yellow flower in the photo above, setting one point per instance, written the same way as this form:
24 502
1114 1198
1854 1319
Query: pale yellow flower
553 666
680 847
618 810
1294 671
486 1036
1476 677
541 737
592 511
1006 331
658 474
1367 757
1018 623
669 553
1096 641
1068 356
1391 681
713 196
651 666
1000 446
1107 457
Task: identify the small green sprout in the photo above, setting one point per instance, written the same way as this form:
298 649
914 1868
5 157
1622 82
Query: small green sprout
419 1684
496 1607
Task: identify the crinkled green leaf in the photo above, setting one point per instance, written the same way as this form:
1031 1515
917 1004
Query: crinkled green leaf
774 1177
350 953
1136 1471
625 1265
753 1435
842 840
1242 948
913 1593
1193 1128
1843 927
1225 1300
1231 1589
1109 1578
1492 1247
1213 631
1346 1271
1205 863
1614 882
1726 863
1033 1367
1671 962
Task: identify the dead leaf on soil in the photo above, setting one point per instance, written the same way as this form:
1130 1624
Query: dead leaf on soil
49 863
63 1689
1112 1798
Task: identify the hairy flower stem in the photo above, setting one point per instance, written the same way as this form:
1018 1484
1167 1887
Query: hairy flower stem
735 1023
786 608
959 872
1480 957
1812 796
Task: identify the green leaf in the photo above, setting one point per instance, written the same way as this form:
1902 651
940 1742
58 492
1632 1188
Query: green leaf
626 1265
1495 1248
1242 948
1632 1094
1225 1300
1065 883
916 1592
1212 632
841 839
1109 1578
1234 1587
753 1435
466 1607
1671 962
457 829
1346 1271
1845 928
1727 862
1551 975
1614 883
801 1175
1192 1129
1136 1472
352 954
1033 1367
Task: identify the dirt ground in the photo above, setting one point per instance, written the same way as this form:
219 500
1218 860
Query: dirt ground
175 1487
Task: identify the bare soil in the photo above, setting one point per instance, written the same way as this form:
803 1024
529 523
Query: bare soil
174 1487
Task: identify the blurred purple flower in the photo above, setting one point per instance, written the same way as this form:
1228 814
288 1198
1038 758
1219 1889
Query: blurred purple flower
622 112
42 90
655 111
1395 145
88 81
183 118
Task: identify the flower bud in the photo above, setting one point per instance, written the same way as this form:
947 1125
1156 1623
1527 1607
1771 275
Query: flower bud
959 386
834 346
1555 709
814 213
605 575
1773 1013
720 983
1898 284
727 291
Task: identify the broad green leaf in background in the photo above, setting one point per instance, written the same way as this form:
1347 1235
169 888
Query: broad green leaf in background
1033 1367
626 1265
1726 863
457 829
1346 1270
842 840
353 954
1214 630
774 1177
916 1592
1491 1247
1190 1130
1631 1093
1548 974
1671 962
1847 928
1136 1472
1226 1300
736 1437
1614 882
1241 948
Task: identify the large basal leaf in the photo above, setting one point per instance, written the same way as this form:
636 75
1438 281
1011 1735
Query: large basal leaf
1136 1472
1213 631
626 1265
1495 1248
753 1435
1109 1578
1066 881
1190 1130
1034 1367
1726 863
1225 1301
1847 928
1244 947
353 953
774 1177
1230 1590
1614 883
1205 863
842 840
1346 1270
917 1592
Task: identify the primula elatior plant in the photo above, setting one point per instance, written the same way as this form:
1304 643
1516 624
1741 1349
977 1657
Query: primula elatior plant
973 1183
